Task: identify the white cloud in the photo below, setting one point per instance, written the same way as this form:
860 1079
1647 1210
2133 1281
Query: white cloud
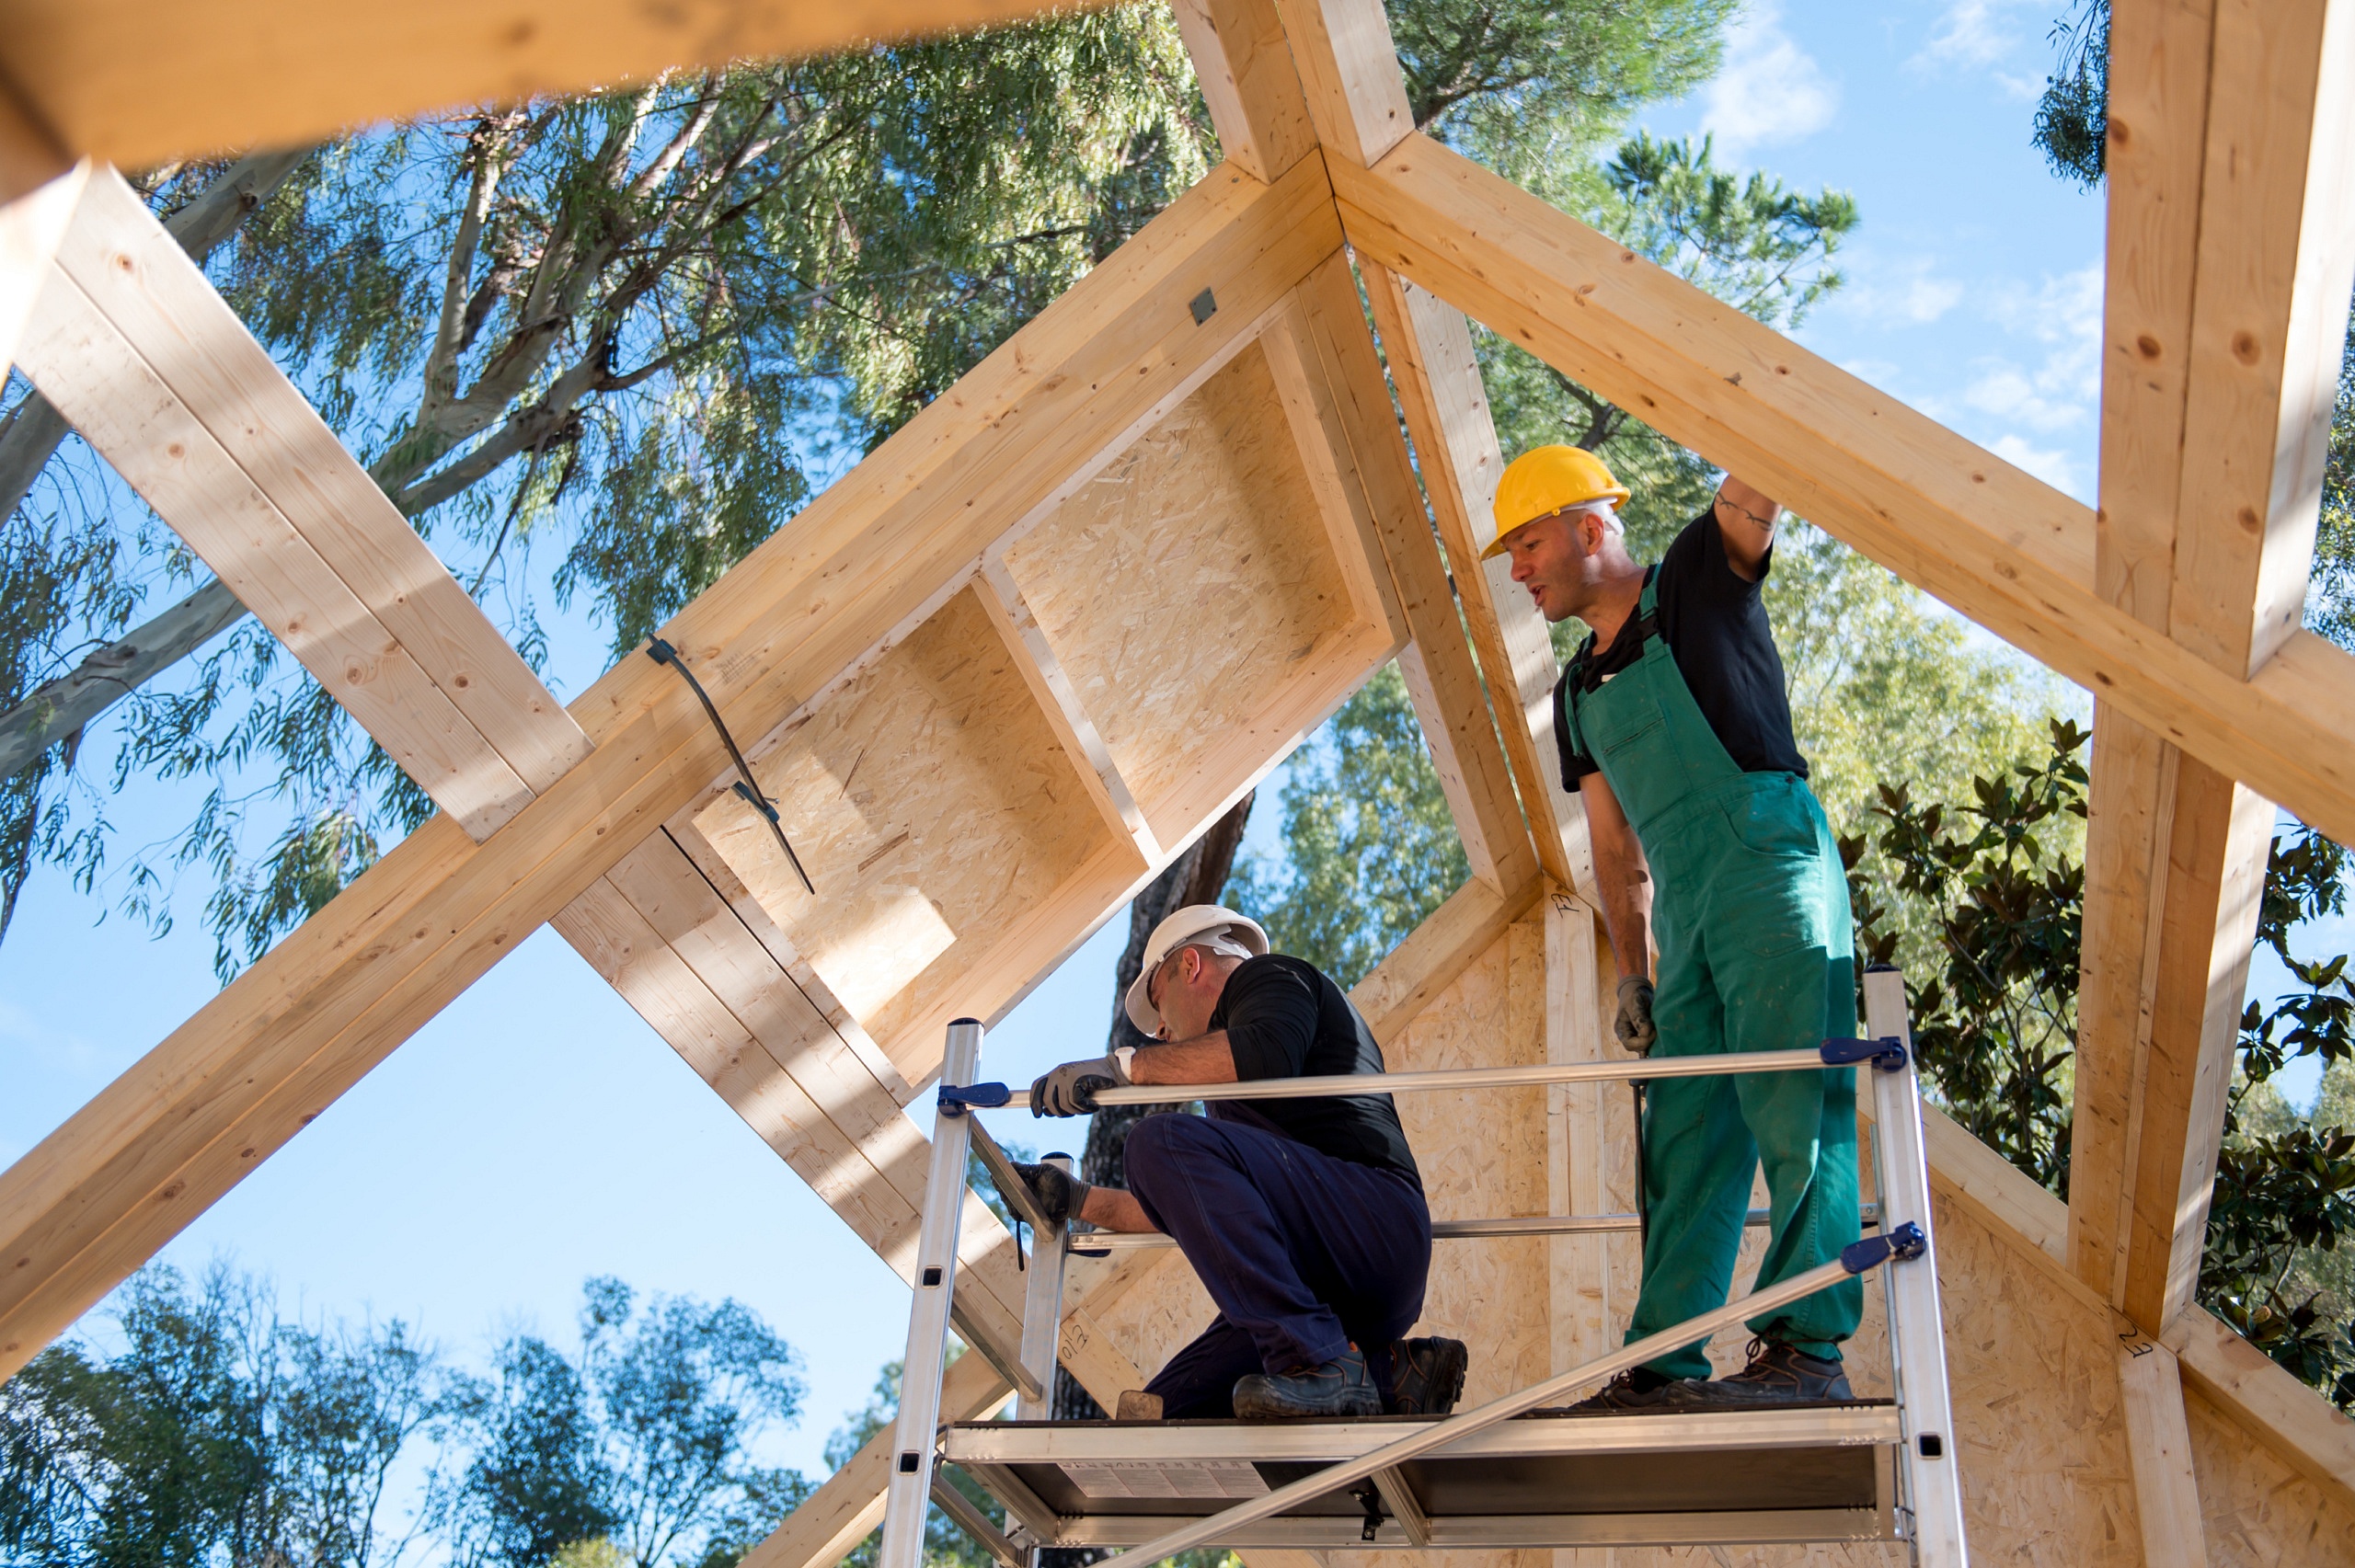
2053 468
2063 389
1969 33
1770 89
1907 292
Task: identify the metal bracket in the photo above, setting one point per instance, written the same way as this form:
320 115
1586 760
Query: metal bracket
1888 1055
1905 1242
956 1099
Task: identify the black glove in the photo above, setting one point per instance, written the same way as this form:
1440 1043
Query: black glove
1634 1025
1056 1191
1069 1089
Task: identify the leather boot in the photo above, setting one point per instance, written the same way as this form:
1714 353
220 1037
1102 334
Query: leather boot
1339 1390
1426 1376
1777 1374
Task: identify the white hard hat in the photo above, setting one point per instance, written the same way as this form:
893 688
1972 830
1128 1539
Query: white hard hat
1196 925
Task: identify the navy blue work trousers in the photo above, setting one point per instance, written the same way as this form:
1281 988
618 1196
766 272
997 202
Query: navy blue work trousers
1304 1253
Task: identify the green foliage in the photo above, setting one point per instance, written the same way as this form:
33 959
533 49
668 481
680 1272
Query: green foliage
216 1432
220 1433
1529 87
1985 908
2073 115
1997 911
1370 845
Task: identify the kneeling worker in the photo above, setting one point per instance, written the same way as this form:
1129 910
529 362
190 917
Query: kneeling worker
1676 733
1304 1217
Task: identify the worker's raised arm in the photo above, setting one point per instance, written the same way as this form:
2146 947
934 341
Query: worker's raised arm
1746 519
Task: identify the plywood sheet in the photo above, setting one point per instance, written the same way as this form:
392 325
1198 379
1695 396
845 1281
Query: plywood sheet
1187 583
2256 1509
932 807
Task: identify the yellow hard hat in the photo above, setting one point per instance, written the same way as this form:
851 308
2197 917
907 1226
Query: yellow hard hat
1544 480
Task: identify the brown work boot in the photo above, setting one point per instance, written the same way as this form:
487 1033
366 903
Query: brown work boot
1426 1376
1638 1388
1777 1374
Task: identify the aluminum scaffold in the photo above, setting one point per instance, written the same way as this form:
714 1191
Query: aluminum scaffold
1515 1471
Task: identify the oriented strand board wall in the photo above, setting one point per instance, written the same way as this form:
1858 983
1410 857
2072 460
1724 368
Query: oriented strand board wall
1182 583
931 804
2259 1510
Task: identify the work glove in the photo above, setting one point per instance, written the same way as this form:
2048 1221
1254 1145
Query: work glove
1056 1191
1634 1025
1069 1089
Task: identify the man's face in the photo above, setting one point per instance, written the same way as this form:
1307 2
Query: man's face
1186 989
1554 557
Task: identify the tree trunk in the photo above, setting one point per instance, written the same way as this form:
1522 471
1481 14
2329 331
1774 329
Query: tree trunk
32 438
1198 876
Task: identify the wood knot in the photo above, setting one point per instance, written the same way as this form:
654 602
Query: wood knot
175 451
2118 135
2147 346
245 1153
2245 348
123 262
1782 370
1979 478
2248 520
171 1192
520 34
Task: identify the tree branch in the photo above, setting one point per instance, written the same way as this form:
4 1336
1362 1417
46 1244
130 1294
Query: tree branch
74 701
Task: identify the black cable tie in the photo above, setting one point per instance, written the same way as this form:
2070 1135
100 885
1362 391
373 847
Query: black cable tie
748 787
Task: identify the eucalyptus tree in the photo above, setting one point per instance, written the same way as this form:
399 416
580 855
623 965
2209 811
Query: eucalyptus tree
595 349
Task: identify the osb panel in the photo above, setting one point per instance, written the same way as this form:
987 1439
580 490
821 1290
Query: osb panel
931 805
2256 1509
1183 583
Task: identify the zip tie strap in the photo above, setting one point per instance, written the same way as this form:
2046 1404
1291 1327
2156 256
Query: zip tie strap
748 788
1886 1054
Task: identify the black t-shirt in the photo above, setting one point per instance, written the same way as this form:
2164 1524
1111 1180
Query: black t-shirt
1284 1019
1713 622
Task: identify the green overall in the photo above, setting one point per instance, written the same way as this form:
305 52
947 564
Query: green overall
1756 953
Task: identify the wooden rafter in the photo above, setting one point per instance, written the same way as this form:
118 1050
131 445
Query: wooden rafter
97 1196
2004 549
138 82
2232 251
614 850
133 346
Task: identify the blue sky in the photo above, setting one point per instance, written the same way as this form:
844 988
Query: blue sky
538 1132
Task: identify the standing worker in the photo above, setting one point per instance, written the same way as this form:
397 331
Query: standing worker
1676 733
1304 1217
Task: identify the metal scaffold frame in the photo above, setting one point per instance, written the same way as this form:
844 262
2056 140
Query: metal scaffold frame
1919 1498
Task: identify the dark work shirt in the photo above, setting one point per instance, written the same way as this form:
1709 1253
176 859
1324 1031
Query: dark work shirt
1284 1019
1713 622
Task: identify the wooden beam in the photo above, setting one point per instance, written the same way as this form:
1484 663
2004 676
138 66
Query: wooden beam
30 153
1438 378
2001 547
1358 101
1363 426
2158 1444
1349 67
2232 252
97 1198
1018 628
32 224
137 82
2284 1413
1248 81
133 346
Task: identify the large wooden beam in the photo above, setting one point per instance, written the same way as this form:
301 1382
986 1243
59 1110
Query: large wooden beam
96 1198
2001 547
130 342
1437 663
32 225
2231 256
136 82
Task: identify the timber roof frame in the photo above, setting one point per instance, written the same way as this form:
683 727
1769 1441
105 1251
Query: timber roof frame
2231 253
